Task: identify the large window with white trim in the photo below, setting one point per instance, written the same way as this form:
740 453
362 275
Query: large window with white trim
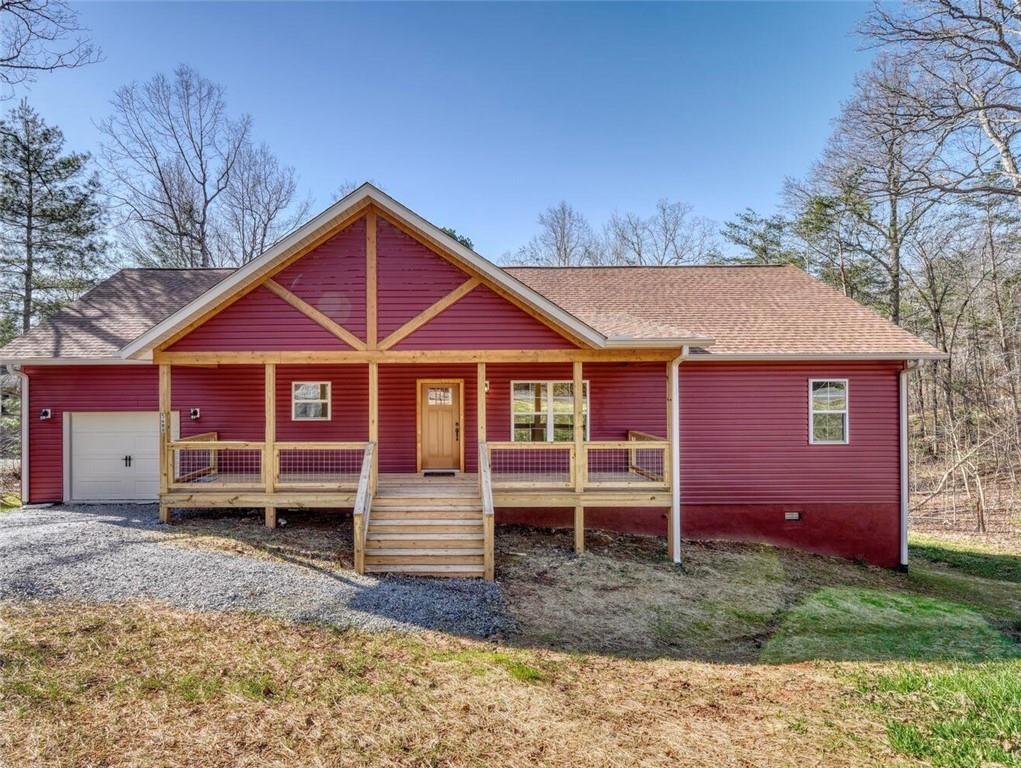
310 401
543 411
828 411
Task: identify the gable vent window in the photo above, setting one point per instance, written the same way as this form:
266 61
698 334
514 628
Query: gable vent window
310 401
828 411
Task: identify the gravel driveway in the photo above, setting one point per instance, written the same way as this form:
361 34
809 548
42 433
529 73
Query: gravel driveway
118 552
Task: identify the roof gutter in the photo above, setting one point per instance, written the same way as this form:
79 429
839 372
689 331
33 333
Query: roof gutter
814 357
677 342
19 361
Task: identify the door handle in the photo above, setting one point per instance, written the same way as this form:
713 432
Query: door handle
457 430
127 461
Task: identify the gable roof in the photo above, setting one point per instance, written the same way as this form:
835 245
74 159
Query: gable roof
354 202
719 312
121 308
749 311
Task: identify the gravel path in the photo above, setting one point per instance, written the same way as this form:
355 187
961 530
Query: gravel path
118 552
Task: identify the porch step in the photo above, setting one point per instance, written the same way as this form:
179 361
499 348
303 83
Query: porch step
419 540
391 513
375 553
433 502
444 571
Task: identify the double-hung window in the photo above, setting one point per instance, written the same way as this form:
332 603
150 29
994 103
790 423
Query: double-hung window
828 411
543 411
310 401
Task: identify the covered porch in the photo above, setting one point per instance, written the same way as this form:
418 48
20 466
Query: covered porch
381 476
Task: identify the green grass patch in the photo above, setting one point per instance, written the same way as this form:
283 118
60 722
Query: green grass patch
857 624
967 716
968 558
480 662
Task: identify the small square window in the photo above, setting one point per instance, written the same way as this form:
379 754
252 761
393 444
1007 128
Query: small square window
310 401
828 411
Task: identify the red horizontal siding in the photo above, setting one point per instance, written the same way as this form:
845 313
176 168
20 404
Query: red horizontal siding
484 320
349 406
332 278
409 277
745 435
261 321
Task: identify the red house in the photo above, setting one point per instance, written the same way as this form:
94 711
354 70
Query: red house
368 361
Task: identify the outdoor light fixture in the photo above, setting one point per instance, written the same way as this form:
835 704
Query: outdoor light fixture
45 413
195 413
487 386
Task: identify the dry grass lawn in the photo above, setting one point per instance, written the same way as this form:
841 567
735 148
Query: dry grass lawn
144 686
748 656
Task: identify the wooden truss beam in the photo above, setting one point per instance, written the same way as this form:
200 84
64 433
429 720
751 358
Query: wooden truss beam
315 315
429 313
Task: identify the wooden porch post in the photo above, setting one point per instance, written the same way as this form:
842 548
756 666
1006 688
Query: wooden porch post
166 425
668 458
374 422
269 464
580 457
480 401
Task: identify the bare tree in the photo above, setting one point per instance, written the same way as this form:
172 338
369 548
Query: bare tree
672 235
876 162
39 36
969 54
565 239
193 189
259 204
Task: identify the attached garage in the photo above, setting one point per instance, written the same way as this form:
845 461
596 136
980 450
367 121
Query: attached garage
112 456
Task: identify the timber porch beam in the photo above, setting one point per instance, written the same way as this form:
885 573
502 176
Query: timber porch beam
416 356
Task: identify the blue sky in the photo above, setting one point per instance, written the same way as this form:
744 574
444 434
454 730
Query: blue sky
480 115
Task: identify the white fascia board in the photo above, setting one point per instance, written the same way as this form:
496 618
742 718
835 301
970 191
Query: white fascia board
808 357
282 247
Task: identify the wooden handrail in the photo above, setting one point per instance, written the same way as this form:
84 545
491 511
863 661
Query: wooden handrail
215 445
202 436
295 446
634 434
488 512
507 445
363 507
630 444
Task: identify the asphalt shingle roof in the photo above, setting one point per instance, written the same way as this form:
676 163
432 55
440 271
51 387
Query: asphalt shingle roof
746 310
113 313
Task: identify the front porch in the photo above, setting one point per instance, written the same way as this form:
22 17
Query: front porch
406 520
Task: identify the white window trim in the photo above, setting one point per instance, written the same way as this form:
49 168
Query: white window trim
846 413
328 401
586 388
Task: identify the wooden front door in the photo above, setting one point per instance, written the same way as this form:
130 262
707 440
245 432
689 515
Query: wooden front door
440 416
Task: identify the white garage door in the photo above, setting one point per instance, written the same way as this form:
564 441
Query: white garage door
114 456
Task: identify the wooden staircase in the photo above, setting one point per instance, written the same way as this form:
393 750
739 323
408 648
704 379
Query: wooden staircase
426 527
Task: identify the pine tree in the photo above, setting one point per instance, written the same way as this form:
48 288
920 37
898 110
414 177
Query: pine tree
51 221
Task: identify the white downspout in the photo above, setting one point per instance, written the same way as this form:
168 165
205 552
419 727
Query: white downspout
24 432
903 439
675 453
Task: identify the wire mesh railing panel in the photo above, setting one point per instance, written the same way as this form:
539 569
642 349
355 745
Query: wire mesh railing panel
524 465
625 464
315 466
214 465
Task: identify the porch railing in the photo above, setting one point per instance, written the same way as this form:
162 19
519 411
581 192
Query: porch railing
363 506
317 466
221 464
488 512
642 461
